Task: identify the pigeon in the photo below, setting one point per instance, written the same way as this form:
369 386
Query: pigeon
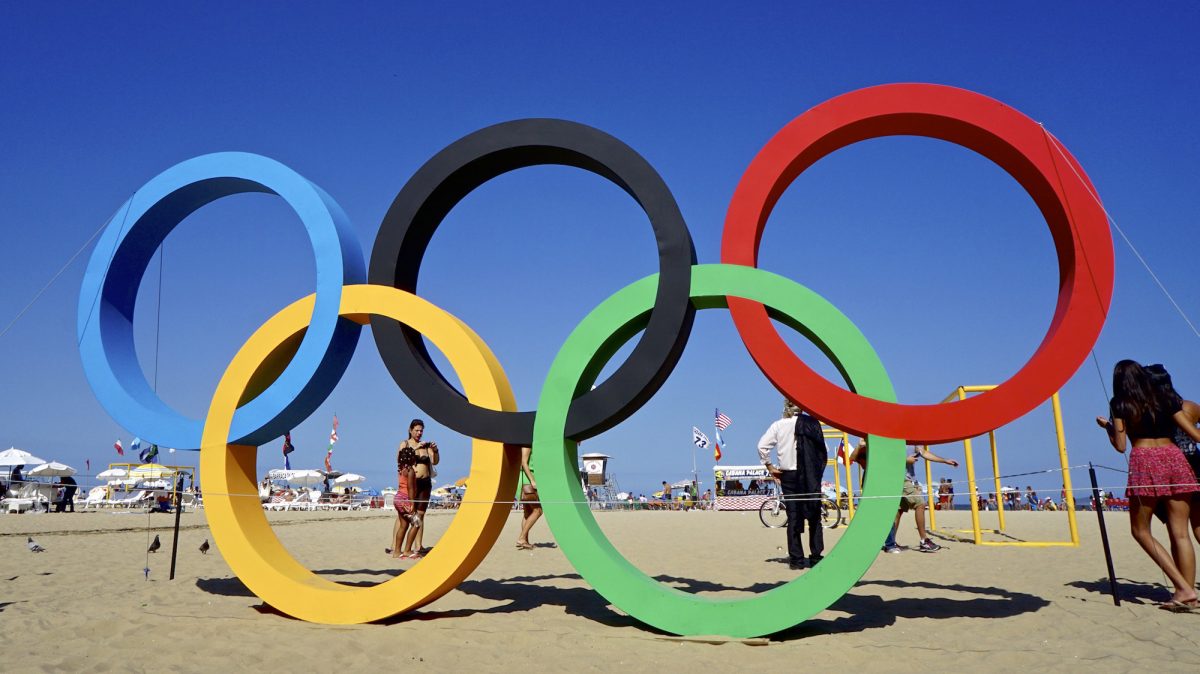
204 547
155 545
33 545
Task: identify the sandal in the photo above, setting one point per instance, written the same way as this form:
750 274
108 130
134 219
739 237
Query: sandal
1176 606
416 555
524 546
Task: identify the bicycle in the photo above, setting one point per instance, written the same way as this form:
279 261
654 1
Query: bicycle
773 515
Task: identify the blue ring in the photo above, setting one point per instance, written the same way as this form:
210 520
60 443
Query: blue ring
120 259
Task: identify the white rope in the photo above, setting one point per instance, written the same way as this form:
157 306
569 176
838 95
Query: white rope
1112 221
54 278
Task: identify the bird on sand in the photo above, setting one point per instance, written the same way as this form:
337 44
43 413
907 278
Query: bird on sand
204 547
33 545
155 545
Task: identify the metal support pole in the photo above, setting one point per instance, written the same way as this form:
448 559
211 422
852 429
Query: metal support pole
1112 575
996 476
178 507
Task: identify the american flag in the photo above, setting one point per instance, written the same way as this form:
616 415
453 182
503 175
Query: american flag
722 422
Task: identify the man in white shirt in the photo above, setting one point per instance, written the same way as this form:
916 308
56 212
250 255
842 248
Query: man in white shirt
800 448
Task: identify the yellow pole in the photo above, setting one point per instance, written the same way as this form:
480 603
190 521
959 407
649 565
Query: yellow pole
969 455
1066 473
929 494
996 474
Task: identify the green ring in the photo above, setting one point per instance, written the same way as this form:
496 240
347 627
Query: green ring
575 368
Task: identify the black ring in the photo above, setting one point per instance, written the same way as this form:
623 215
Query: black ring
449 177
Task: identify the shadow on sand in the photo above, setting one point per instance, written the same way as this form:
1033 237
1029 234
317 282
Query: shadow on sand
865 611
1128 590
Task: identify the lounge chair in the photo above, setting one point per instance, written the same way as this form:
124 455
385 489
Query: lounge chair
136 499
96 497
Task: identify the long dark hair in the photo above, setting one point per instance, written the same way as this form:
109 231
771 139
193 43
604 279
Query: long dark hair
413 424
1160 379
1135 399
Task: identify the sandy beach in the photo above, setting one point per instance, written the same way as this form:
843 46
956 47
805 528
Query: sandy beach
86 604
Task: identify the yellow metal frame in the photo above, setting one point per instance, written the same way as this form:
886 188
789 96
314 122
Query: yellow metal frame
831 433
976 532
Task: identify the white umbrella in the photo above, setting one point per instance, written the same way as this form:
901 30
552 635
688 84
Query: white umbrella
297 477
52 469
350 478
113 473
18 457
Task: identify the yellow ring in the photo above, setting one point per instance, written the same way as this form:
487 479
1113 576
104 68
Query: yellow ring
228 472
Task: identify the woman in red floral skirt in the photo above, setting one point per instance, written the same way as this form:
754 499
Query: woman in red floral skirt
1158 471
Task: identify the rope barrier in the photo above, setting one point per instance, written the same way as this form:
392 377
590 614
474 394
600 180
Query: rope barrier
302 500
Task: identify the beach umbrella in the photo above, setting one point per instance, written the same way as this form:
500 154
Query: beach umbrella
460 482
113 474
350 478
297 477
151 471
18 457
52 469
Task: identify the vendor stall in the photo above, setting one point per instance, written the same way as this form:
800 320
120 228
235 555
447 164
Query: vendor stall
741 487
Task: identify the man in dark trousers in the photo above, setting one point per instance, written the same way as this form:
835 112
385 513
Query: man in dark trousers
68 498
800 447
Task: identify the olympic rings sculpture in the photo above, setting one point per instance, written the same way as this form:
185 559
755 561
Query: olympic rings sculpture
291 364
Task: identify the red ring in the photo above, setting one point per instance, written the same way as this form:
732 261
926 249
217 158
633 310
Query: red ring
1017 144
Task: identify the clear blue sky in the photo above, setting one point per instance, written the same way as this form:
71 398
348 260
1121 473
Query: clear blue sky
935 253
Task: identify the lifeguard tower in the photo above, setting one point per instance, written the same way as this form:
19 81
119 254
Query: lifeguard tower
596 478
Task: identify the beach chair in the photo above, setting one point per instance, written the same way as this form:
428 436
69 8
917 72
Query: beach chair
30 496
96 497
136 499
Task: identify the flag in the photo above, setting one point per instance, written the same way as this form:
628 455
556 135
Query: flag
722 422
136 446
88 464
841 452
149 454
117 446
288 448
700 439
717 446
333 438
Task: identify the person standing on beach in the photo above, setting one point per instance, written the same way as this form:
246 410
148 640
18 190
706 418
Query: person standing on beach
406 516
530 503
1186 437
1145 418
911 496
800 449
427 457
70 486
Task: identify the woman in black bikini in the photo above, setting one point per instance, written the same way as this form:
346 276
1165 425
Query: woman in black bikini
427 457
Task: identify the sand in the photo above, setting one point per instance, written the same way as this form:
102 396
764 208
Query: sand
85 604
